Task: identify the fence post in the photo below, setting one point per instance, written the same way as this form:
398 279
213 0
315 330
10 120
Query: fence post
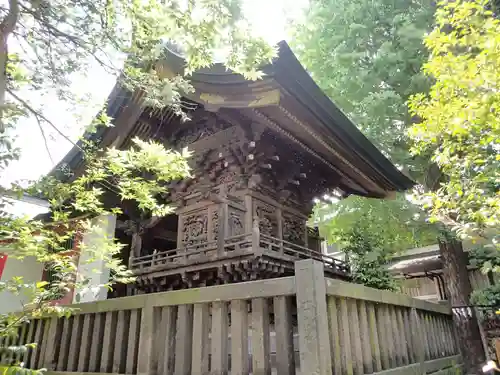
48 355
416 339
145 355
484 340
314 338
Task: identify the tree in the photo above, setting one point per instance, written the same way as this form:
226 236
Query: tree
371 231
487 259
137 177
367 56
460 119
406 228
460 126
42 45
368 260
45 42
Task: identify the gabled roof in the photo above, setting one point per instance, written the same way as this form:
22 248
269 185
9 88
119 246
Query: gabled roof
288 100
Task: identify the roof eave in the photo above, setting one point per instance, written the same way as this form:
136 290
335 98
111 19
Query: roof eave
288 71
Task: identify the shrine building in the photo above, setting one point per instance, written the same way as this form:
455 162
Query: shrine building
263 151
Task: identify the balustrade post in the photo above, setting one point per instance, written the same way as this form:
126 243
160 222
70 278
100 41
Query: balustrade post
153 258
184 254
312 313
256 236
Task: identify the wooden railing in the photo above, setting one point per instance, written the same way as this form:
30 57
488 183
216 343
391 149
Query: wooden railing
233 247
273 245
250 328
200 251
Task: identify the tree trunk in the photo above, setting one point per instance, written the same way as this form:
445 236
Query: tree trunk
459 290
6 27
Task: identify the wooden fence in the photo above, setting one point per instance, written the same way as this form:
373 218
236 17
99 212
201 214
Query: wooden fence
305 324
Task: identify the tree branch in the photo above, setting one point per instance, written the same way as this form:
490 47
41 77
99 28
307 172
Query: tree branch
40 116
44 140
73 39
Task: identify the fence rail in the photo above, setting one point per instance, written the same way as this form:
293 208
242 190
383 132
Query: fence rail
305 324
380 330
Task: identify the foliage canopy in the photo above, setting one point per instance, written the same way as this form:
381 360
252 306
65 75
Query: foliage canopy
460 118
371 231
43 46
366 56
459 128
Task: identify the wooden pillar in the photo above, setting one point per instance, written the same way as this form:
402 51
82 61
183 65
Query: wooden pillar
180 231
306 239
497 348
136 243
314 340
248 213
279 219
223 220
484 339
256 236
210 224
437 290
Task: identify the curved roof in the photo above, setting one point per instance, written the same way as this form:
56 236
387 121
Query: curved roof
288 99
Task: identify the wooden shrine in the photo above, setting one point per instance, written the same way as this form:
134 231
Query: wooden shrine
263 151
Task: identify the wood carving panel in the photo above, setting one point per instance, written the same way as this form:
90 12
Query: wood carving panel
221 140
236 222
215 224
228 176
268 221
293 229
195 228
201 126
228 151
218 159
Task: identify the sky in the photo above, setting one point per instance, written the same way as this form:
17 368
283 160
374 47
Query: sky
268 18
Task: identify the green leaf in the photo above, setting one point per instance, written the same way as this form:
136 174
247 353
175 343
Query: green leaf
41 284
